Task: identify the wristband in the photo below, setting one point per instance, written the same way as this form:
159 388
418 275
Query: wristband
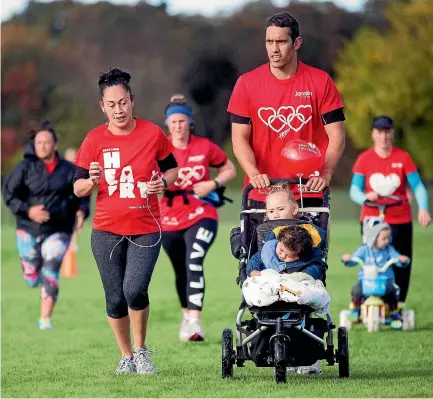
165 182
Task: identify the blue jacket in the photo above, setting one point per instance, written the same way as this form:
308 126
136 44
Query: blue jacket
267 258
377 257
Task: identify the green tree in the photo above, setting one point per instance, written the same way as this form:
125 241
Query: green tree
391 73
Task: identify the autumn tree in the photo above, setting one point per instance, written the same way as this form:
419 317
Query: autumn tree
391 73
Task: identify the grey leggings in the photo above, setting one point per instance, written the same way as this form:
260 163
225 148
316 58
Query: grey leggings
126 276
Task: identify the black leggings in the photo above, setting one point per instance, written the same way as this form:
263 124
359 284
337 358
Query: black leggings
187 249
402 239
126 276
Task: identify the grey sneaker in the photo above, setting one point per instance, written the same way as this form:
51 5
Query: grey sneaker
291 370
126 365
184 330
313 369
195 331
143 362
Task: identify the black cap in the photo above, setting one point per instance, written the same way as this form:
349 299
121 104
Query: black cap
382 122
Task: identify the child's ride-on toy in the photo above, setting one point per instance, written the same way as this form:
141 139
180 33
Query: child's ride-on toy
373 310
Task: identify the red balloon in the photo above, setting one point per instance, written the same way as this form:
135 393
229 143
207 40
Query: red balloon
301 157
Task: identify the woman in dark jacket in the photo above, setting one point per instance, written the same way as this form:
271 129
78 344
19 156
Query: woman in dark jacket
39 192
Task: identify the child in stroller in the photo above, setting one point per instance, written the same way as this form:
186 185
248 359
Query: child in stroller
282 335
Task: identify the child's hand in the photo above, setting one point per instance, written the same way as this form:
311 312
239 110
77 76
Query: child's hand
255 273
403 259
346 257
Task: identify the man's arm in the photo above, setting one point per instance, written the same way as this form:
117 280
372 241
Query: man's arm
337 142
245 155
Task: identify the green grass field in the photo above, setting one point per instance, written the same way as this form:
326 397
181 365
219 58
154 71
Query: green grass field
77 358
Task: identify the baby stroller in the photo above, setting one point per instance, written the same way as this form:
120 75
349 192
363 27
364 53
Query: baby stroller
282 334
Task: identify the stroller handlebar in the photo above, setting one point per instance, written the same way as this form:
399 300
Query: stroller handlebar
249 188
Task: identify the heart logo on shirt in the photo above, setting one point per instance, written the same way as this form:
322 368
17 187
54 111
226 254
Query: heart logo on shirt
188 176
286 118
384 185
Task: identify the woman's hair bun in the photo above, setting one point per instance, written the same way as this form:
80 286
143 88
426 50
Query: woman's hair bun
114 75
177 97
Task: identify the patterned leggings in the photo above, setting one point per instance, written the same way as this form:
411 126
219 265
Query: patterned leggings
41 258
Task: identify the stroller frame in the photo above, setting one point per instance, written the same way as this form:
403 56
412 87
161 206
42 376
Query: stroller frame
289 317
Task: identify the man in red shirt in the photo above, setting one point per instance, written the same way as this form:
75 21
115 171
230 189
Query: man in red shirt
281 101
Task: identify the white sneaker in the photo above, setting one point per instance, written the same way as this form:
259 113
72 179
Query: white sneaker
184 330
45 324
195 331
143 362
313 369
126 366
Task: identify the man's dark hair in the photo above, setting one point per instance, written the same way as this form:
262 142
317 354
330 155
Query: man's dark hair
285 20
114 77
297 239
44 126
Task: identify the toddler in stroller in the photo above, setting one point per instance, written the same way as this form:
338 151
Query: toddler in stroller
282 335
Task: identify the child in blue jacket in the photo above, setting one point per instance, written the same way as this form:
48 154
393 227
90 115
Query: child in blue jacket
377 250
290 249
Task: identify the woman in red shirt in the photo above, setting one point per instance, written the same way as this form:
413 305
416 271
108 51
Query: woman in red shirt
122 159
189 224
387 170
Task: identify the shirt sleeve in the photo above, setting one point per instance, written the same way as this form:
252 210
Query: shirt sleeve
357 189
331 97
409 165
418 189
359 166
360 253
239 103
86 153
255 263
14 191
393 253
165 148
217 157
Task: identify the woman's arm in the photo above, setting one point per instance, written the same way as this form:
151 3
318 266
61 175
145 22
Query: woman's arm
357 189
85 180
14 191
421 197
226 173
84 187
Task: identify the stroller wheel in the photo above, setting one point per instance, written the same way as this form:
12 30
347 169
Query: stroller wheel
343 353
227 353
280 374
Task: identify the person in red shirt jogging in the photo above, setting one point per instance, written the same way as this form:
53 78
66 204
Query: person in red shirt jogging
122 160
387 170
189 224
281 101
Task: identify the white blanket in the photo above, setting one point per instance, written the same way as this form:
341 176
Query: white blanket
300 288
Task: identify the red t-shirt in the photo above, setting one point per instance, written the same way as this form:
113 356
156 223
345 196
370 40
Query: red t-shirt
387 176
282 111
51 165
194 163
128 163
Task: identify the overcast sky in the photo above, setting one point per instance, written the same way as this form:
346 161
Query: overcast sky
206 7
